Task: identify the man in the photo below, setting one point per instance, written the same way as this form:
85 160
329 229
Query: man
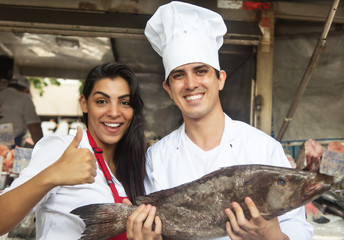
17 108
188 38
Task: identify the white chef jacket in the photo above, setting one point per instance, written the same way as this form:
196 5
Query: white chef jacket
53 217
176 160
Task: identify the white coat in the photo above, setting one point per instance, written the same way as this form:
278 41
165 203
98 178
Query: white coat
176 160
53 218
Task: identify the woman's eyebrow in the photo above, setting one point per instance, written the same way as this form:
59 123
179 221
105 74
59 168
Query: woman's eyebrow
101 93
107 96
124 96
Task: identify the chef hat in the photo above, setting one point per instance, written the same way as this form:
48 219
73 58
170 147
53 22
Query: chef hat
183 33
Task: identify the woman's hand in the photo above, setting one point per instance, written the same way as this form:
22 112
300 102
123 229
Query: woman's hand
75 166
239 228
140 224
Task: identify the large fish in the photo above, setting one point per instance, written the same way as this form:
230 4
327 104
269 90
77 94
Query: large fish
195 210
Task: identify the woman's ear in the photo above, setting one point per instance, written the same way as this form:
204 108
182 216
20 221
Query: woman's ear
83 104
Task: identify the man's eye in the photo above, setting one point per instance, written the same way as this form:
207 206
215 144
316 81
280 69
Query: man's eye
177 76
201 71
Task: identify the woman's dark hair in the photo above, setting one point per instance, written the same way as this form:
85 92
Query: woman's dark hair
129 156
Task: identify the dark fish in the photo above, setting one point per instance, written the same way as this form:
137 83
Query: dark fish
331 202
24 230
316 212
195 210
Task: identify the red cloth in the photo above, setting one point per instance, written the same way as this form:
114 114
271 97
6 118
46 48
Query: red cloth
98 152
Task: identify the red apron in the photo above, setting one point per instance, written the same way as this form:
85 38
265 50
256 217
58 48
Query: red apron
118 199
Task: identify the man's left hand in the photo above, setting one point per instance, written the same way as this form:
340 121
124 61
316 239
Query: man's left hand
257 228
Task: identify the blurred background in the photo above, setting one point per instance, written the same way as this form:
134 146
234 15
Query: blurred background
266 52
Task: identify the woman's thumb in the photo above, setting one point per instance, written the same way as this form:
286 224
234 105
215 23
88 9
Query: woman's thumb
77 139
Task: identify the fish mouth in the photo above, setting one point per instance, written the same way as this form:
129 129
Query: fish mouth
316 186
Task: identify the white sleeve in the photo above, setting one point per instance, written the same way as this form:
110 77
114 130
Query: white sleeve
295 225
45 152
149 179
278 157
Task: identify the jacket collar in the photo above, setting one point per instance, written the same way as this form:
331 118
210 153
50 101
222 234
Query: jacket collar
228 136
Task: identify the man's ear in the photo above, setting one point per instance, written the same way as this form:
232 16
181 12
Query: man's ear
83 104
222 79
167 88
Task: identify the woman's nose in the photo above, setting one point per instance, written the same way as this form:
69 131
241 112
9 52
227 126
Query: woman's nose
114 110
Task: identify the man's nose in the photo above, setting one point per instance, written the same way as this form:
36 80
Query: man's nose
191 82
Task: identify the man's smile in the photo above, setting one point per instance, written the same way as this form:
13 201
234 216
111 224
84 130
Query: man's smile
193 97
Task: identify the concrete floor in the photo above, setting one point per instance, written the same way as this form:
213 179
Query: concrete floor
333 230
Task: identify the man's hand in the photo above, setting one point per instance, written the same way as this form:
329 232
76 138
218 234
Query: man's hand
239 228
140 224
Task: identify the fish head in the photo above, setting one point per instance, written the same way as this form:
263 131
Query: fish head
291 188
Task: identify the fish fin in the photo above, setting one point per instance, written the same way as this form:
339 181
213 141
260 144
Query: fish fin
315 213
334 197
321 219
151 199
104 221
158 196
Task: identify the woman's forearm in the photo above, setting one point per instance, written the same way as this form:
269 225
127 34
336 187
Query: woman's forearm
17 203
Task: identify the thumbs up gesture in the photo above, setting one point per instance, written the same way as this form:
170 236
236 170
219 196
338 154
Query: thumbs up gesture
75 166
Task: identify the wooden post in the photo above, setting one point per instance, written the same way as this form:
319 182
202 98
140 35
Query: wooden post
264 77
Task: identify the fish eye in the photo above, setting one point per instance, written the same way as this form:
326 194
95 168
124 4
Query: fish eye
281 182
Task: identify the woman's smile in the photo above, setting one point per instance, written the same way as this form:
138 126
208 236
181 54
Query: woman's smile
112 125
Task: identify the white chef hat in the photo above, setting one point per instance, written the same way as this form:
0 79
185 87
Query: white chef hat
183 33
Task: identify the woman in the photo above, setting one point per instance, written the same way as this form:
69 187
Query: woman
101 165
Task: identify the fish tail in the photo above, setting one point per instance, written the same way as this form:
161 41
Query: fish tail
104 221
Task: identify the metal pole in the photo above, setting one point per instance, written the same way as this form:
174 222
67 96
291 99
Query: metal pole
311 65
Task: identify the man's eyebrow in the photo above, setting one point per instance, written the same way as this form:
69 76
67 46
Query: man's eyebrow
177 71
201 66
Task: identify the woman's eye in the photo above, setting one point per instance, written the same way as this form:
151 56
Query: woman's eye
101 101
125 102
281 182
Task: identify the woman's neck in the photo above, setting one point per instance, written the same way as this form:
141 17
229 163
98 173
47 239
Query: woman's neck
108 153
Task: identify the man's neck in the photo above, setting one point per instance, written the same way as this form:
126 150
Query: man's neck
206 132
